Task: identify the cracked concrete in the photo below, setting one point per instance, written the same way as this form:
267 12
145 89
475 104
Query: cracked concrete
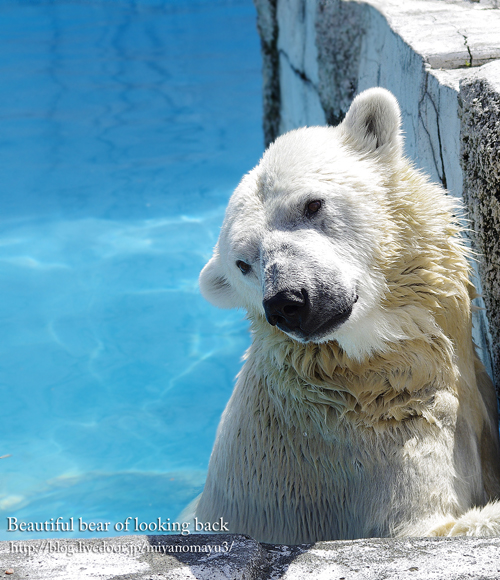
302 105
438 159
425 52
268 31
469 62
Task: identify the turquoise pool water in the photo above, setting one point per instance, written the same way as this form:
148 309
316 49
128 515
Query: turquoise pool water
125 126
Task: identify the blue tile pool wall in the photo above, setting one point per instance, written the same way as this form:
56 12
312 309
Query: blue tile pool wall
125 127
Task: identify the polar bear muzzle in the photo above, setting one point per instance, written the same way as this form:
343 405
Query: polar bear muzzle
293 312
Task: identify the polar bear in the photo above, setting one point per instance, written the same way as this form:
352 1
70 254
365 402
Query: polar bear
362 409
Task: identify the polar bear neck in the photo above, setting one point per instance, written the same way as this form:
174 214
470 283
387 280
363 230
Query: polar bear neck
320 384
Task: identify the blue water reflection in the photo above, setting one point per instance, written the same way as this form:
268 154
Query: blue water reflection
125 126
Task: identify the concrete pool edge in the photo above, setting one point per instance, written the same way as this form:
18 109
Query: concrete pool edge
237 557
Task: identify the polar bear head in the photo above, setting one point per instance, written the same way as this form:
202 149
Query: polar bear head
308 234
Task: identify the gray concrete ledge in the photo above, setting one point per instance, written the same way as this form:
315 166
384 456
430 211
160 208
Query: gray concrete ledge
225 556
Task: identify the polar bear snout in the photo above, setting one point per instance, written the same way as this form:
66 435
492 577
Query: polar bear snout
287 310
293 312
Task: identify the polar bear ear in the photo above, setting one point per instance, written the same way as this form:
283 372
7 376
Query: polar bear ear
215 287
373 123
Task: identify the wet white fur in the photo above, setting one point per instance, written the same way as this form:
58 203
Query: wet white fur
386 426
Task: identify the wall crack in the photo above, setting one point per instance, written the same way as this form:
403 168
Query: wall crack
302 75
421 104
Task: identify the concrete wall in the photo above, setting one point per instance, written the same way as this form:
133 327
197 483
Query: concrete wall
440 59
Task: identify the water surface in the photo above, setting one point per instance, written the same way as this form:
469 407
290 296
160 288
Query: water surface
125 127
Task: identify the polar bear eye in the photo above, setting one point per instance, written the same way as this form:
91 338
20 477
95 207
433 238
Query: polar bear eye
243 266
313 207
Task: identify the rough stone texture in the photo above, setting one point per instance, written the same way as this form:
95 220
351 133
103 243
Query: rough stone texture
480 156
421 50
339 51
416 559
189 558
268 30
135 557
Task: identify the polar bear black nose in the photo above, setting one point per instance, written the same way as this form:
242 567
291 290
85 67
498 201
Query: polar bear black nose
286 309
